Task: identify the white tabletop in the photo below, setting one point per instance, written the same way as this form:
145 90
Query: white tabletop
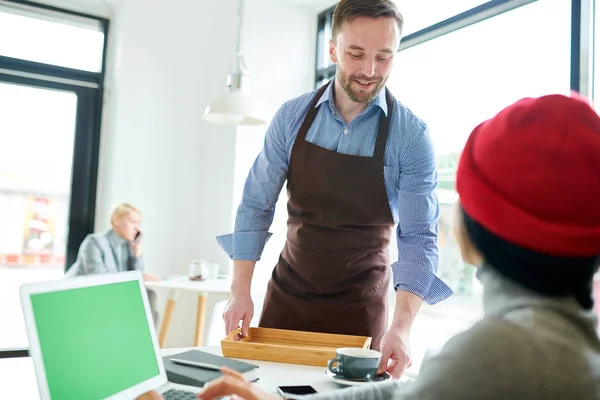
184 283
272 374
17 376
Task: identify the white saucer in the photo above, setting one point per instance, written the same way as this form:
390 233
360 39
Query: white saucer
355 382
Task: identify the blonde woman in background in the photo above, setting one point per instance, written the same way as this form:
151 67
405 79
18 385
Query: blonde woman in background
117 250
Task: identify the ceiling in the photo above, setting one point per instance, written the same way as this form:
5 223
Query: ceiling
312 4
102 7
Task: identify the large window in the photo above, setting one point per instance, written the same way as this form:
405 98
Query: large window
424 13
458 80
51 82
460 63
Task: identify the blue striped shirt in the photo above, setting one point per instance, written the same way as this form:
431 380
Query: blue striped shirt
410 180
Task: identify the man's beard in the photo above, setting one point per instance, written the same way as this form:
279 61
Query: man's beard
358 95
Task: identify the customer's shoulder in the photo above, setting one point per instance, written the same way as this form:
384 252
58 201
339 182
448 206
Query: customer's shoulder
494 337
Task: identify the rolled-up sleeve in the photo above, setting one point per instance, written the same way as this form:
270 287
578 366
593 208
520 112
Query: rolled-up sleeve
261 191
415 270
244 245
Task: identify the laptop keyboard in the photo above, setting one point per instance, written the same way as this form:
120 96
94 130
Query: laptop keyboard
173 394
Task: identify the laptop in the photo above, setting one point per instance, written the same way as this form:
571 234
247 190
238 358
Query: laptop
93 337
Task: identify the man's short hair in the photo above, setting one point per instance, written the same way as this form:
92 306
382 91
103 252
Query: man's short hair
348 10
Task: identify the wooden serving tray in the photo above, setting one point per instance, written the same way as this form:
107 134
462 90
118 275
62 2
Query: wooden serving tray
292 347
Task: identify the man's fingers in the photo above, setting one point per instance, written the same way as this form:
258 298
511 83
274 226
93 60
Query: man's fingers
234 324
226 386
226 321
232 321
397 367
396 370
383 365
246 324
385 357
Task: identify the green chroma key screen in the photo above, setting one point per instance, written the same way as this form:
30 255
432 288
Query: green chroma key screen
95 341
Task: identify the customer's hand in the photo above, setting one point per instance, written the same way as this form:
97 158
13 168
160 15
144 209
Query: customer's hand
233 384
150 396
239 308
230 384
395 353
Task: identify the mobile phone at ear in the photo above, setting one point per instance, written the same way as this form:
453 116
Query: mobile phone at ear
293 391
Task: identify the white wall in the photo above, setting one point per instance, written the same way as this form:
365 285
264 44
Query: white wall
165 65
282 67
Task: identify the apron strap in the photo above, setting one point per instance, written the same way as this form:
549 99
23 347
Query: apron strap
312 113
384 127
384 121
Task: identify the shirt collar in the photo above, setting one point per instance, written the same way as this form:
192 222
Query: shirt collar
380 100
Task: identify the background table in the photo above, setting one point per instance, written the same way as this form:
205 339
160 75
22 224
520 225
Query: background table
203 288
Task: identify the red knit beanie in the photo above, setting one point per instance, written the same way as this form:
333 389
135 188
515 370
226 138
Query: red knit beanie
531 176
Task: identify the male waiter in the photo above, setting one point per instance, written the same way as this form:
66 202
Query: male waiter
356 162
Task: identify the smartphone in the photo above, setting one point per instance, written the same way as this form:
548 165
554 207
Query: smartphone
137 236
286 391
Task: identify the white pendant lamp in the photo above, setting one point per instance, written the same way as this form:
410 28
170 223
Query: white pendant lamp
237 105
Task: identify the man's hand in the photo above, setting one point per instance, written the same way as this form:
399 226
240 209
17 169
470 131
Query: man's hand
239 308
234 384
395 353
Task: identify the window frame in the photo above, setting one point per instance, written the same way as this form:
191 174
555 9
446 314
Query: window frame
582 37
89 88
323 22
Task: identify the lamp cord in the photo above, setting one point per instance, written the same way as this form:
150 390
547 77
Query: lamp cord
241 64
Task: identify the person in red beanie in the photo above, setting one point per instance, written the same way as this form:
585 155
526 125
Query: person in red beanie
529 218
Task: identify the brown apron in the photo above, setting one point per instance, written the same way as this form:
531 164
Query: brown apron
333 274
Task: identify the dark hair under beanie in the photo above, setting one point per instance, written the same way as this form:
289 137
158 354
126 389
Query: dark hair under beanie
541 273
529 184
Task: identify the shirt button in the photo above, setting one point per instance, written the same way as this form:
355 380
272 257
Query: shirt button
345 131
